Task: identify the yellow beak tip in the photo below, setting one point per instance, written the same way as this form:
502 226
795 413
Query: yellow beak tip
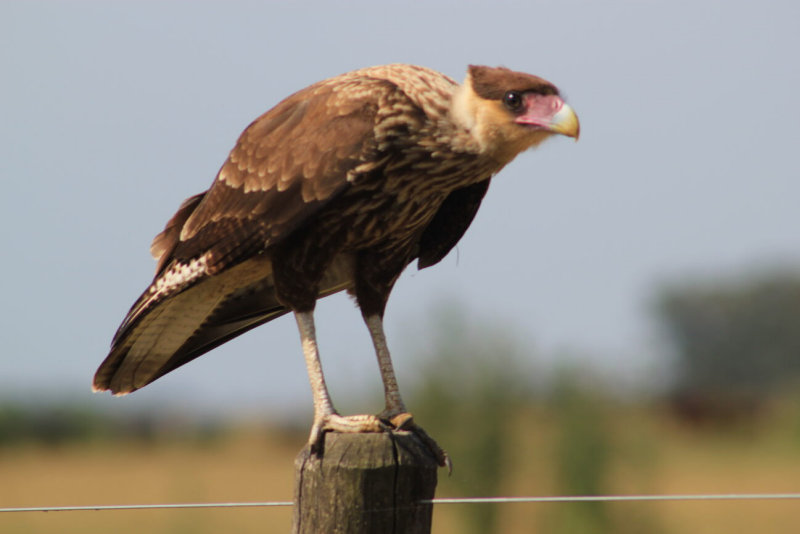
565 122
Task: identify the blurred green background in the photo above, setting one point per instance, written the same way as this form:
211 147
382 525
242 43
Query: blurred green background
726 420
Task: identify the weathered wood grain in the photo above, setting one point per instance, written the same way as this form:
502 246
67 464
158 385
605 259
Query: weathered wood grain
365 484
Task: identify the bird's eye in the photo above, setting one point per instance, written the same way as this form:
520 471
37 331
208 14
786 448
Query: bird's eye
512 100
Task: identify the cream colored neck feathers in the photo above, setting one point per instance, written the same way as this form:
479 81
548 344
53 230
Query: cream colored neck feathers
491 125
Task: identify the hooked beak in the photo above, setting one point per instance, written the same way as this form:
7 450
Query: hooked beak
550 113
565 122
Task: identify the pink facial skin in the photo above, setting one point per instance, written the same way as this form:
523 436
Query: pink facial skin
540 110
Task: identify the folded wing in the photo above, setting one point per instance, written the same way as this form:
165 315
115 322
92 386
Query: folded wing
214 277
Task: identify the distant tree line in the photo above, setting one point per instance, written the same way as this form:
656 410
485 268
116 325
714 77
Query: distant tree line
736 342
52 425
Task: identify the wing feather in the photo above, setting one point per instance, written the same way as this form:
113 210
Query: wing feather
286 165
450 223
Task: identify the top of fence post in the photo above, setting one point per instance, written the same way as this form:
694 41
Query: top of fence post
365 484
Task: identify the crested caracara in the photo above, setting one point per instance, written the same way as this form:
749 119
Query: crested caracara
338 187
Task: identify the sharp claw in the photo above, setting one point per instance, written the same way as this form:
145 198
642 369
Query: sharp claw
442 458
316 440
404 421
447 463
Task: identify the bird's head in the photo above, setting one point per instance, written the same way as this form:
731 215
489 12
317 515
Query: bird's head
508 112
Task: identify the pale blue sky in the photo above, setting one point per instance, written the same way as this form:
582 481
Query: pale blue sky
112 113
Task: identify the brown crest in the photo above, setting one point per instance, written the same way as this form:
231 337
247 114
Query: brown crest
492 83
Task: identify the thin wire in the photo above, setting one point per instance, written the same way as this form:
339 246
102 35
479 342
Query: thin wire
148 506
468 500
618 498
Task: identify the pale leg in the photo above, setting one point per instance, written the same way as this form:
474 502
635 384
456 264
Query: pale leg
394 402
395 411
325 417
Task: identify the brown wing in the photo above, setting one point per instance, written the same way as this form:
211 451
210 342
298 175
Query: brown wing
450 223
164 243
213 282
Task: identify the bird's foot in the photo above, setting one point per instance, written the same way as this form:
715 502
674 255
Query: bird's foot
385 422
404 421
349 424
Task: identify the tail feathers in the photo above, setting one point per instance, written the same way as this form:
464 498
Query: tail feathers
160 335
188 324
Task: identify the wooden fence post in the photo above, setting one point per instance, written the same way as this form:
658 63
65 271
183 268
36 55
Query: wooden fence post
365 484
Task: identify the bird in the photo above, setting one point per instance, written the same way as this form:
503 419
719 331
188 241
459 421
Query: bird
339 187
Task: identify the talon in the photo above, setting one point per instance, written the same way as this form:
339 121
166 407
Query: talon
316 439
442 458
354 423
402 421
350 424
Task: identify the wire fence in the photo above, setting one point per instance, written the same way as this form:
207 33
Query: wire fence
465 500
